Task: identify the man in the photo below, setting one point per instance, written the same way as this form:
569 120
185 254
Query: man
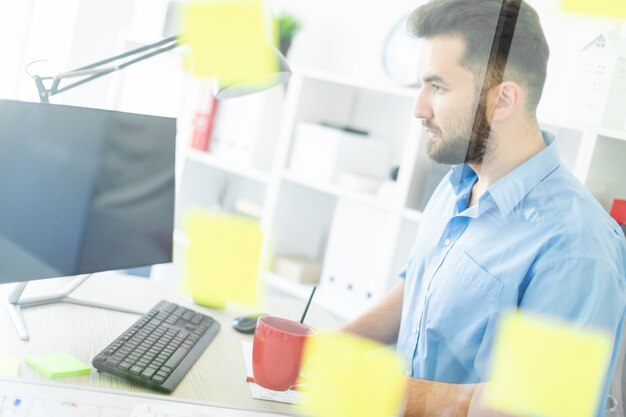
508 228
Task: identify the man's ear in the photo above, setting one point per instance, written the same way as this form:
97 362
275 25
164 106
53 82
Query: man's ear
508 97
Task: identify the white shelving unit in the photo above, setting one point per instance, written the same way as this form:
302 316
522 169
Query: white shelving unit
361 239
596 155
240 170
302 215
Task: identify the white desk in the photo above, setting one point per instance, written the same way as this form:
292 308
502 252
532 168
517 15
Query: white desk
218 377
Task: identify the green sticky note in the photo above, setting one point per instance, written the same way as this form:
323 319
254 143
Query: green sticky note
9 367
546 368
58 365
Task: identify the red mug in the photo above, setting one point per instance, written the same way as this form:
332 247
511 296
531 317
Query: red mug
277 352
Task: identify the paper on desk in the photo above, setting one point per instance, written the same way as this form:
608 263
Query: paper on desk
30 399
258 392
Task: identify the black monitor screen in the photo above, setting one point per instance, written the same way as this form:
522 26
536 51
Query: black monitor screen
83 190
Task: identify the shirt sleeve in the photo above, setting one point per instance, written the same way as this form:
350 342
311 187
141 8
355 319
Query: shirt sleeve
585 292
402 273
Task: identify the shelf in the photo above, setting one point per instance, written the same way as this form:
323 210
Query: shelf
561 123
612 133
358 197
413 215
237 169
407 92
302 291
602 131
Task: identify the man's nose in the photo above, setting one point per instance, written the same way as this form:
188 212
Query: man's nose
423 108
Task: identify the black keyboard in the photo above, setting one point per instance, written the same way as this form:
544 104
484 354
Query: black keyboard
160 348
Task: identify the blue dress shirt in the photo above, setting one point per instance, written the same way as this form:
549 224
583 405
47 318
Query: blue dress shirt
537 240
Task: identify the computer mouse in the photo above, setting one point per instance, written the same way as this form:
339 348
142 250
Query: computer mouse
246 324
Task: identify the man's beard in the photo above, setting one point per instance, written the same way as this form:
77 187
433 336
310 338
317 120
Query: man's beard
456 148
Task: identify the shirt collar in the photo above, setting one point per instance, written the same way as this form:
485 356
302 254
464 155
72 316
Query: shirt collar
509 190
462 177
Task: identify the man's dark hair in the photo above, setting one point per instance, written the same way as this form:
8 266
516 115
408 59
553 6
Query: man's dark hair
475 22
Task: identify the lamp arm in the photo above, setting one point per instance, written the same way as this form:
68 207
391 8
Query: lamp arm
44 93
97 70
172 39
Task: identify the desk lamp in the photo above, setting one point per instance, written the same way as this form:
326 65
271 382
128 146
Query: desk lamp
106 66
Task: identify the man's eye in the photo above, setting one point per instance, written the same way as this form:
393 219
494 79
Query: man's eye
437 87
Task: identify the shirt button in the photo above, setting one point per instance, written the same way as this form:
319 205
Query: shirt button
447 242
414 329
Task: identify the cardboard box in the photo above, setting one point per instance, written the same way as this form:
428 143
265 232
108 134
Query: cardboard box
298 269
320 153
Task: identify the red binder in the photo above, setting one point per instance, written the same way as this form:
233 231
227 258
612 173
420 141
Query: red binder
203 126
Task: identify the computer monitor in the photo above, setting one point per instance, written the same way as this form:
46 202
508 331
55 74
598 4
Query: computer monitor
83 190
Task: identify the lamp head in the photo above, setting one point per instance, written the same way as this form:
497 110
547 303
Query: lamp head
281 76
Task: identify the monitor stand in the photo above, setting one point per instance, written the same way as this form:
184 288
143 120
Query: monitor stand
15 303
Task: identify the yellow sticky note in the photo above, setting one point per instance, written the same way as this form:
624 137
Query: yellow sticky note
222 260
345 375
228 40
540 367
606 8
9 367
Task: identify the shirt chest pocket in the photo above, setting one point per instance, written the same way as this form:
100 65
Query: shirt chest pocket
462 299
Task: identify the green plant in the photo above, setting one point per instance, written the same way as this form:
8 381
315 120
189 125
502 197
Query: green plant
288 25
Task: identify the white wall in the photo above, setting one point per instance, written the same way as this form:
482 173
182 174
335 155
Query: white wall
344 36
347 36
340 36
68 33
14 23
97 30
32 30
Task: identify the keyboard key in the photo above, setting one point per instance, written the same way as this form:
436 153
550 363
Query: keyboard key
176 357
159 379
114 361
148 373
